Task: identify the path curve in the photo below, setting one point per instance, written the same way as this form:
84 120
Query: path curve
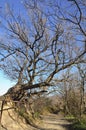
54 122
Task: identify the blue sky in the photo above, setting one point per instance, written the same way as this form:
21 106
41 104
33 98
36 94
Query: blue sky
15 4
5 83
11 2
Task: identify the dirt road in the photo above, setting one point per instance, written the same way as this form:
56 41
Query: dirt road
11 121
54 122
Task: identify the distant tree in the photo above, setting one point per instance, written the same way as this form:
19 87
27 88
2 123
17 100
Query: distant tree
82 73
72 89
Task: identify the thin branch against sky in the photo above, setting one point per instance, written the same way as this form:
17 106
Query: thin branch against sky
17 8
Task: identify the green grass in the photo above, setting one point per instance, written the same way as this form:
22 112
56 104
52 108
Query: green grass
36 115
77 124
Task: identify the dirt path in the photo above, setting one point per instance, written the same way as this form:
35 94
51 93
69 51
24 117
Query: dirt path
11 121
54 122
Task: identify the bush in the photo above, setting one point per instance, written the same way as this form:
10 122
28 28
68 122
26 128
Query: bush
41 105
36 115
80 125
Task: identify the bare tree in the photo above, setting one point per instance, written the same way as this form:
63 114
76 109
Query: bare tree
70 91
82 73
35 47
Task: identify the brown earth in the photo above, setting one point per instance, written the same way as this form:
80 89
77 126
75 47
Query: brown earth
11 121
54 122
